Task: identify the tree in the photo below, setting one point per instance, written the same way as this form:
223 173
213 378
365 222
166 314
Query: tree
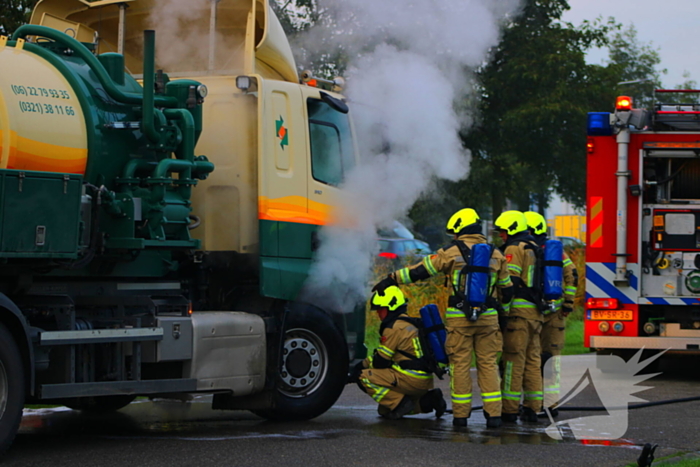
310 27
635 67
13 14
535 93
295 15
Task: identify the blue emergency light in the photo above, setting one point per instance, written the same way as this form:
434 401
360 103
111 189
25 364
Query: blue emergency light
599 124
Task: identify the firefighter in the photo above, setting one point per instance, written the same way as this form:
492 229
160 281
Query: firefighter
552 337
481 337
521 340
395 376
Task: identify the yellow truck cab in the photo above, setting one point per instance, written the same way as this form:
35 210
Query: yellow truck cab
163 223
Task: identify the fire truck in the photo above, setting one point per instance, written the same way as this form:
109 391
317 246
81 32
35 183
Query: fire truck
643 235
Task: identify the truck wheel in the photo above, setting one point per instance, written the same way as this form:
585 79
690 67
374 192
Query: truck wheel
313 369
11 388
100 404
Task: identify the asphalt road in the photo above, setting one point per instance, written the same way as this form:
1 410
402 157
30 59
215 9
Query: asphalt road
172 433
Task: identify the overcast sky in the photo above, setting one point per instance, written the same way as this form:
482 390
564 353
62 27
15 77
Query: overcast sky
670 25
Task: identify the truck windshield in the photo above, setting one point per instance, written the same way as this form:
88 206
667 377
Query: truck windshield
332 154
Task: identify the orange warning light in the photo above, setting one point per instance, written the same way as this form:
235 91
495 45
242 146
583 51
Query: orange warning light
623 103
590 146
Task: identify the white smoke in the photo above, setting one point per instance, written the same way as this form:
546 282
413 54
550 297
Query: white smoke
183 41
413 61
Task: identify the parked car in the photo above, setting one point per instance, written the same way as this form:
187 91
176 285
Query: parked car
393 248
571 242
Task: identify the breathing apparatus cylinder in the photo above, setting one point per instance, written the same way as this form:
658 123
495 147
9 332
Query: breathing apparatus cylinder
477 287
435 331
553 274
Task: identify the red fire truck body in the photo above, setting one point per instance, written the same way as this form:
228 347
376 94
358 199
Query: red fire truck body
643 228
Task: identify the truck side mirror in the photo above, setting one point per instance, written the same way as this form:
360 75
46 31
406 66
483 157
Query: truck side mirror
337 104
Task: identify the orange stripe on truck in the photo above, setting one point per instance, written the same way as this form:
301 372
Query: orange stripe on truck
596 221
27 154
293 209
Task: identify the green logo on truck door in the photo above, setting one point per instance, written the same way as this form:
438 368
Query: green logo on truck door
282 132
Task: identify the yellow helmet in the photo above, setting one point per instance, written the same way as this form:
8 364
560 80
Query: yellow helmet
461 219
536 223
512 222
391 298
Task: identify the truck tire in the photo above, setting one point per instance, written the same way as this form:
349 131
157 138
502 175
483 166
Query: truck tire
12 388
313 368
102 404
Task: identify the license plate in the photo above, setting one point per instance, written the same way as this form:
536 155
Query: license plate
614 315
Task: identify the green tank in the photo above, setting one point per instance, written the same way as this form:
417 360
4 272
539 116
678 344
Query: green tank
91 160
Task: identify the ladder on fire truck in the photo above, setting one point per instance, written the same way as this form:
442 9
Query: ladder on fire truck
672 116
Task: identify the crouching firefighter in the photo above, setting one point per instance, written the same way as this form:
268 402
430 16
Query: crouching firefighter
471 319
521 339
552 337
398 376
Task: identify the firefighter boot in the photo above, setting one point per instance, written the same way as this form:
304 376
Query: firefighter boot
405 407
509 417
528 415
433 400
493 422
459 421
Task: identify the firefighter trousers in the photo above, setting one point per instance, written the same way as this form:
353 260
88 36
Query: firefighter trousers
552 341
484 342
522 374
387 386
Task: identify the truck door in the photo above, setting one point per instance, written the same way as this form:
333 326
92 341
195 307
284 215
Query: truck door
331 153
285 224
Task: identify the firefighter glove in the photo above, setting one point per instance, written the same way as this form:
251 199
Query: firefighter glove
355 372
567 308
388 281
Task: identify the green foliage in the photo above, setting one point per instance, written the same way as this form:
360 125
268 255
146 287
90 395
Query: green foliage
13 14
316 52
631 61
681 98
573 344
295 15
536 92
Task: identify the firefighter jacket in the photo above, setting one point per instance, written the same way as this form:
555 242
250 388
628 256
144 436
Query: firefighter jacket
399 348
519 251
450 261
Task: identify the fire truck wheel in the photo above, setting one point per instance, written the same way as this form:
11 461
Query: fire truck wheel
12 388
100 404
313 366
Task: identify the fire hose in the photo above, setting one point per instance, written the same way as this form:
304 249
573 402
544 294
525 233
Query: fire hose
603 409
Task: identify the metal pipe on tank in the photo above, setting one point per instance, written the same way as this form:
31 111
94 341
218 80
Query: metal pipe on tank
622 174
79 50
149 88
187 128
212 35
122 28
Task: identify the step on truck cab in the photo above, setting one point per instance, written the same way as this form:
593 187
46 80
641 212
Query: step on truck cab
157 227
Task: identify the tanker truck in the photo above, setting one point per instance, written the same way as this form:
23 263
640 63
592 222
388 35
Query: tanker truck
156 228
